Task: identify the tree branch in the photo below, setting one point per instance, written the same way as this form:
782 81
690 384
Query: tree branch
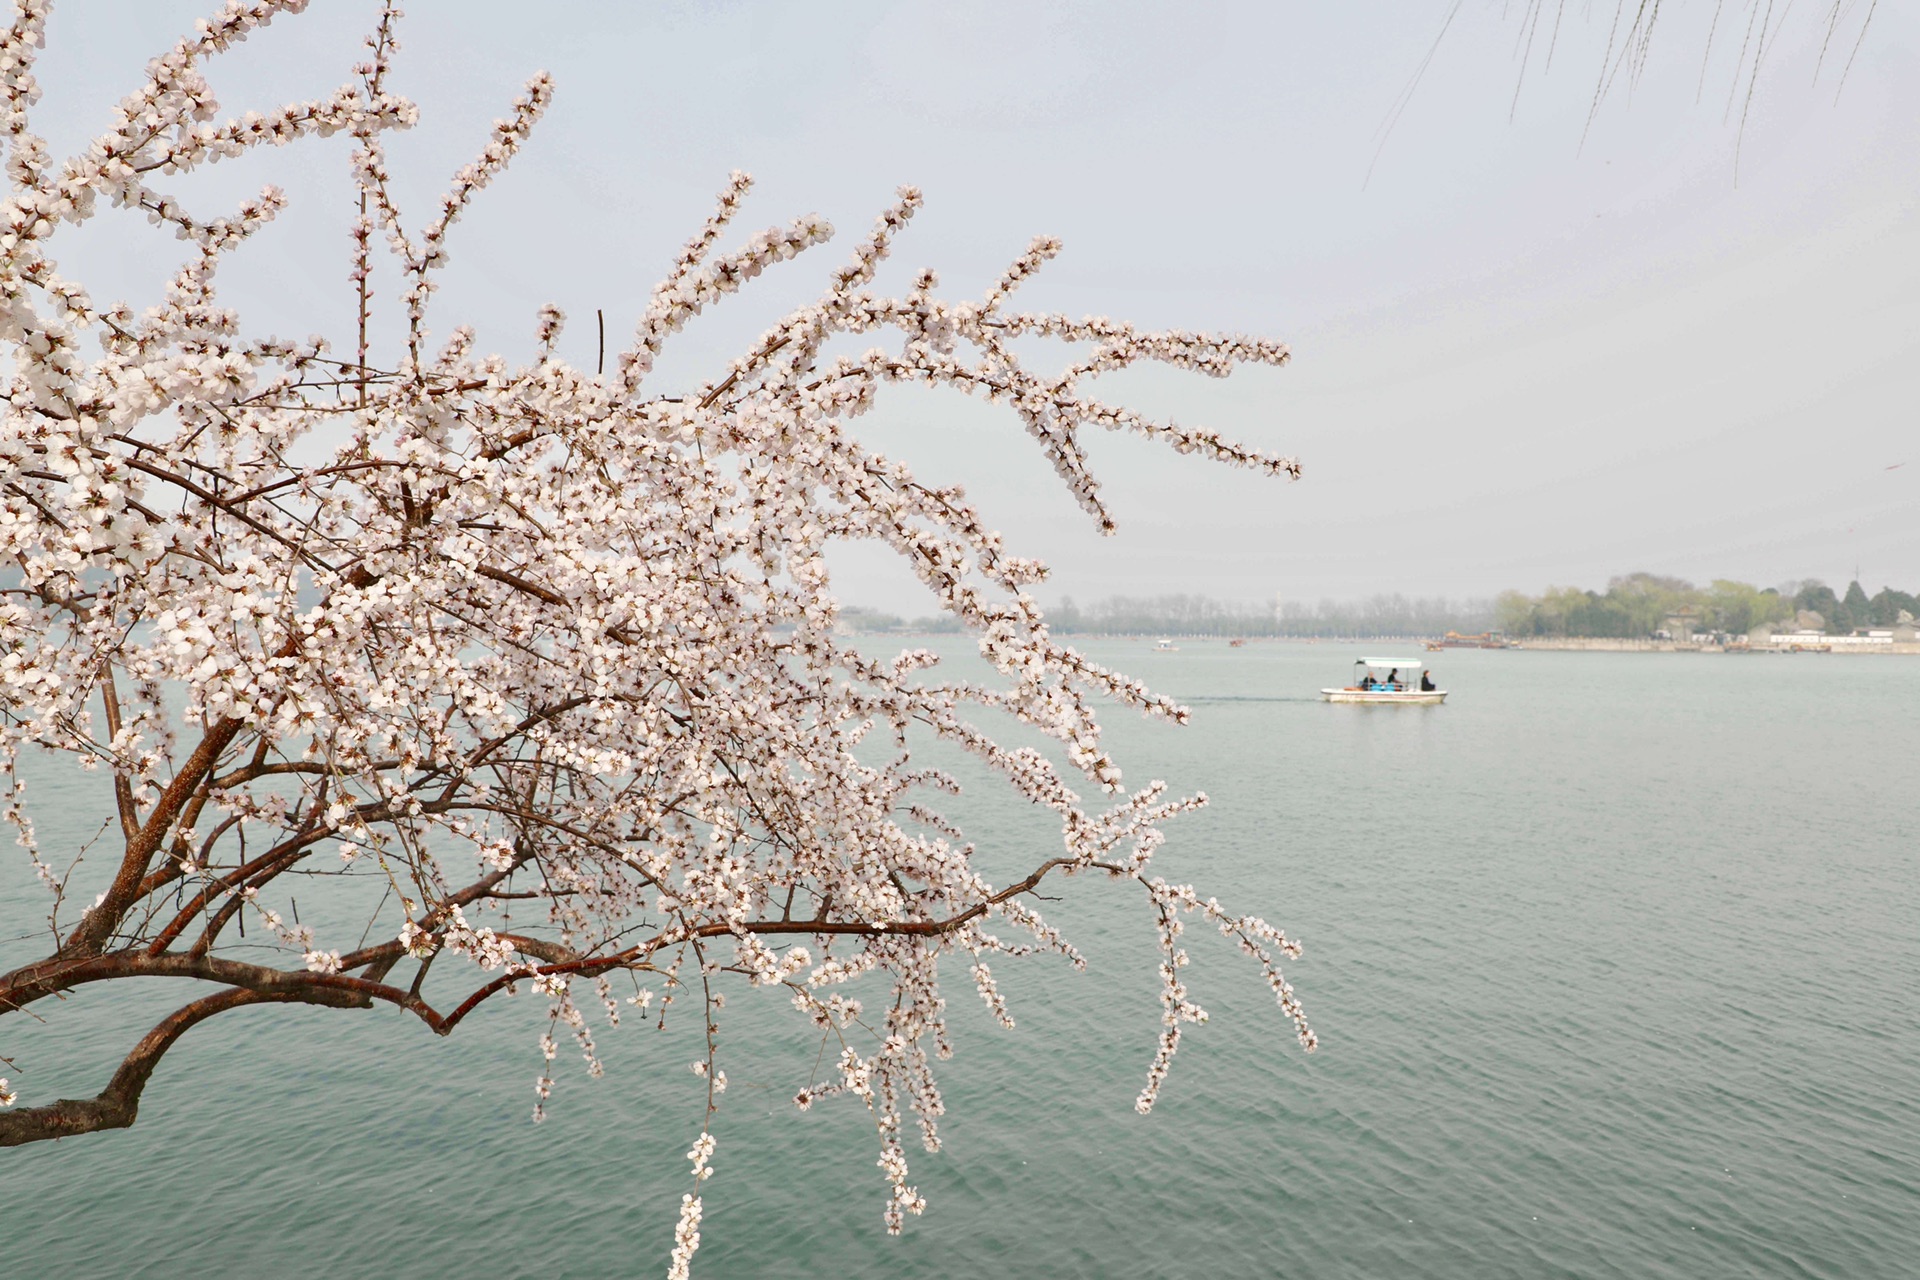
118 1105
98 924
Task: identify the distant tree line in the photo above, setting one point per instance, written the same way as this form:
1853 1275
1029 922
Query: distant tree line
1638 604
869 621
1634 604
1194 615
1191 615
1855 609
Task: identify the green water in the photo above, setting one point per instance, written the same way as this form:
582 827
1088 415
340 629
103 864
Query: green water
1613 959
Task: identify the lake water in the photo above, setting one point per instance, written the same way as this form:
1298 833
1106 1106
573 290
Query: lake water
1613 959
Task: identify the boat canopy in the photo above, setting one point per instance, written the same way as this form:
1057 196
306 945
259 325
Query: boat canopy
1390 663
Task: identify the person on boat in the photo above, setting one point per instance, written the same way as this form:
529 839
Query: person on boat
1393 679
1426 682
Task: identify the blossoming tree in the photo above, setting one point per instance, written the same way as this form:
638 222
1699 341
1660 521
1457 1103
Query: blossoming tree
481 634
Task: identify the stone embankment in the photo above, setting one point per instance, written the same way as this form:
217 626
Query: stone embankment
1590 644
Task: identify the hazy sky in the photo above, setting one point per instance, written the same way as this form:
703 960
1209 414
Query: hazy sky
1519 359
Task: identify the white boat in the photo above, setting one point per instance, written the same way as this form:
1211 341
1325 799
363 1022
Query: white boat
1387 680
1165 646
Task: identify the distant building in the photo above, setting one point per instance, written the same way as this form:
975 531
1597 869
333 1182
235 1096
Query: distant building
1681 624
1807 638
1767 636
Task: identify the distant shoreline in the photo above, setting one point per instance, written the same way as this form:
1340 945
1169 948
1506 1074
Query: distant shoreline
1601 644
1558 644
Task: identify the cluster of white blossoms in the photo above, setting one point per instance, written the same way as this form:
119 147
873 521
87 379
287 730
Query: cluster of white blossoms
530 640
686 1232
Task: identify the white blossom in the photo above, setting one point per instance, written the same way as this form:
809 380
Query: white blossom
549 660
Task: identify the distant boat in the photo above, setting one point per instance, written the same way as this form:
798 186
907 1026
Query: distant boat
1165 646
1485 640
1235 644
1379 680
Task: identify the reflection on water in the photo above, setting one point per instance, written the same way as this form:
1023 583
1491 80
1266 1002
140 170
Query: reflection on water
1613 961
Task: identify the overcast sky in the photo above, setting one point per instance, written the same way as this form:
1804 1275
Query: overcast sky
1525 351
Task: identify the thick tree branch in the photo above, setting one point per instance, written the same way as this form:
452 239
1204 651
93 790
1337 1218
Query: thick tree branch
98 924
118 1105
